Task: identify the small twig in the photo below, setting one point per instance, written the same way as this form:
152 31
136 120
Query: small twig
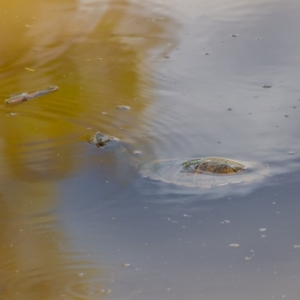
17 99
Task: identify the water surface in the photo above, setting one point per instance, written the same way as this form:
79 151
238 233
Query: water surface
77 221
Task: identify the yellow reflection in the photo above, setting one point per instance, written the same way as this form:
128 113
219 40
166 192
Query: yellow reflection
100 55
36 260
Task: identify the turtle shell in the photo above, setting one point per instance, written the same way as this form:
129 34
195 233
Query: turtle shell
203 172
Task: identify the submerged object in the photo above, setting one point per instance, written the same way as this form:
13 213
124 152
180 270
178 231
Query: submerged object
203 172
101 139
19 98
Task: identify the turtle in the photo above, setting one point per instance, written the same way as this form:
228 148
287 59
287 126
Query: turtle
203 172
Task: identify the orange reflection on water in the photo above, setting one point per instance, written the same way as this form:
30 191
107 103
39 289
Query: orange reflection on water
36 257
97 54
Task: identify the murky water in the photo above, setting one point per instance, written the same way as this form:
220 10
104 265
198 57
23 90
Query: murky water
217 78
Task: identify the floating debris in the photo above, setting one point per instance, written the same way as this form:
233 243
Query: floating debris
234 35
291 152
19 98
137 152
125 265
267 86
296 246
225 222
12 114
262 229
248 257
234 245
123 107
29 69
187 216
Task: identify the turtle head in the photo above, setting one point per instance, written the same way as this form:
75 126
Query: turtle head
100 139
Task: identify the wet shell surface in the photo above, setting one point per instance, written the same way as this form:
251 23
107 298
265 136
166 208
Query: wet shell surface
204 172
